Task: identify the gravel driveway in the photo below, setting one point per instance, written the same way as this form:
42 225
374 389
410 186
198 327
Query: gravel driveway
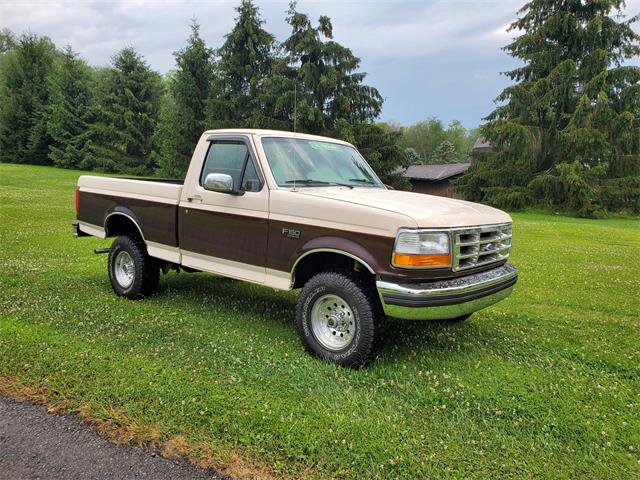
37 445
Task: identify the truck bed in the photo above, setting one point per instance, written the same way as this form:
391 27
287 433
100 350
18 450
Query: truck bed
150 203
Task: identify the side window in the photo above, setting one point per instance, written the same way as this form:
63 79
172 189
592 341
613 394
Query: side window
251 182
231 157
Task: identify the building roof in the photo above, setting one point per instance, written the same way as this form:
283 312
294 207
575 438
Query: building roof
435 172
482 144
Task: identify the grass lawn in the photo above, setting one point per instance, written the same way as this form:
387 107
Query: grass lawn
545 384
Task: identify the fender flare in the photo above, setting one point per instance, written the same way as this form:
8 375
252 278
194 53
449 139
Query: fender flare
124 212
339 245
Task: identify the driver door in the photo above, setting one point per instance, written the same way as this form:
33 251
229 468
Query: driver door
226 233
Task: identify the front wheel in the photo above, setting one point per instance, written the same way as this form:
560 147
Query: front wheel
132 272
339 319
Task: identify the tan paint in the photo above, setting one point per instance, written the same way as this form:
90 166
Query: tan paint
164 252
126 187
91 229
425 211
372 211
222 266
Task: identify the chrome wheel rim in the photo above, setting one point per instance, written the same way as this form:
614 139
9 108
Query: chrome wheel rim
332 322
124 269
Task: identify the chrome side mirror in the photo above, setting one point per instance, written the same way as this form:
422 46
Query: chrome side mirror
218 182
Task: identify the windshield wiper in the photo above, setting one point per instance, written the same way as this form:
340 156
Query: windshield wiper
363 180
310 181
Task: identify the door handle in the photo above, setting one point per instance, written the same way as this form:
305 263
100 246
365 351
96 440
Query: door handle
195 198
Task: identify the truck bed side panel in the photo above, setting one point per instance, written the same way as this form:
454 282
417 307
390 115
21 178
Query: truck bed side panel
152 205
157 220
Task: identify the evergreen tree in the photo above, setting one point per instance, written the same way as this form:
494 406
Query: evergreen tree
128 100
573 101
444 153
323 80
70 111
245 63
184 105
7 40
25 95
413 157
381 148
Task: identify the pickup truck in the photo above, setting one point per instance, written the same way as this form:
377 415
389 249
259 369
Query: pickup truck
294 211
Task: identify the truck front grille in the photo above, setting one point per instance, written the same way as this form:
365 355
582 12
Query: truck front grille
477 246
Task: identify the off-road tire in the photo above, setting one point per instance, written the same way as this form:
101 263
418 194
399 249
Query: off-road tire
146 271
363 302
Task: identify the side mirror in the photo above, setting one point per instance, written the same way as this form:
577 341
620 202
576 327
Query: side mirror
219 182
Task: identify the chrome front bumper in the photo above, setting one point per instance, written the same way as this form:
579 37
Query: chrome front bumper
446 299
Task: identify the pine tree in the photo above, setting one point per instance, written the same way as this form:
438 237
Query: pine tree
184 105
24 96
70 111
444 153
380 146
7 40
245 63
573 102
128 101
322 79
413 157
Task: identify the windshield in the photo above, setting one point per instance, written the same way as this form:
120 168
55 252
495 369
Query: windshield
311 163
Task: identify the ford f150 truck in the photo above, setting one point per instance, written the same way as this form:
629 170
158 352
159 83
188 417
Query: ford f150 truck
293 211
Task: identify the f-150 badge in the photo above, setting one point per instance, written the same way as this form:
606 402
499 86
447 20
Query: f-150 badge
291 233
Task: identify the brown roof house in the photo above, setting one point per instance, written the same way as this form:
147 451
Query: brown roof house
435 179
482 145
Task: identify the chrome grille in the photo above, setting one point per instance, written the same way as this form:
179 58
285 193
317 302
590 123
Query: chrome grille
477 246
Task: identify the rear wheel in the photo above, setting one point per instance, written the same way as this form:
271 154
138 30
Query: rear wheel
132 272
339 318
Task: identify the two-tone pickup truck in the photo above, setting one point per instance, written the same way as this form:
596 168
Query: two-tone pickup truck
293 211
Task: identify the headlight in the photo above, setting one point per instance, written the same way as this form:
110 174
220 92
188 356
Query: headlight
415 249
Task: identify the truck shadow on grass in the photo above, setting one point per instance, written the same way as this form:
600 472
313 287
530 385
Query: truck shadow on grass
219 296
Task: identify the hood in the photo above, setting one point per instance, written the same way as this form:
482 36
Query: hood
428 211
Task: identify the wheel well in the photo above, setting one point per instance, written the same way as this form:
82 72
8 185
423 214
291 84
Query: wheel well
318 262
120 224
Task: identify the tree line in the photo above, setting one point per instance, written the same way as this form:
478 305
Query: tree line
430 142
566 133
55 109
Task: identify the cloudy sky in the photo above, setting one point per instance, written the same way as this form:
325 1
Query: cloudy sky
428 58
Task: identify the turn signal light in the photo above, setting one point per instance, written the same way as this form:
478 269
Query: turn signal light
433 260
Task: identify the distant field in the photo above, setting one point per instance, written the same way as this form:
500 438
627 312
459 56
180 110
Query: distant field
545 384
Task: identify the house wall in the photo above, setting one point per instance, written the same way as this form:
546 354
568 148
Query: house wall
442 188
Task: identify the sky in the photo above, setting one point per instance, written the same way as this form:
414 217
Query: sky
427 58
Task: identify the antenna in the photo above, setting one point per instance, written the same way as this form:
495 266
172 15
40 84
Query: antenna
295 122
295 106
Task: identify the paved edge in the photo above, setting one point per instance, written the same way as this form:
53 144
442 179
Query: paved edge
37 444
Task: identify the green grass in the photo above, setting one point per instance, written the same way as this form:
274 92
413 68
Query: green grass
545 384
